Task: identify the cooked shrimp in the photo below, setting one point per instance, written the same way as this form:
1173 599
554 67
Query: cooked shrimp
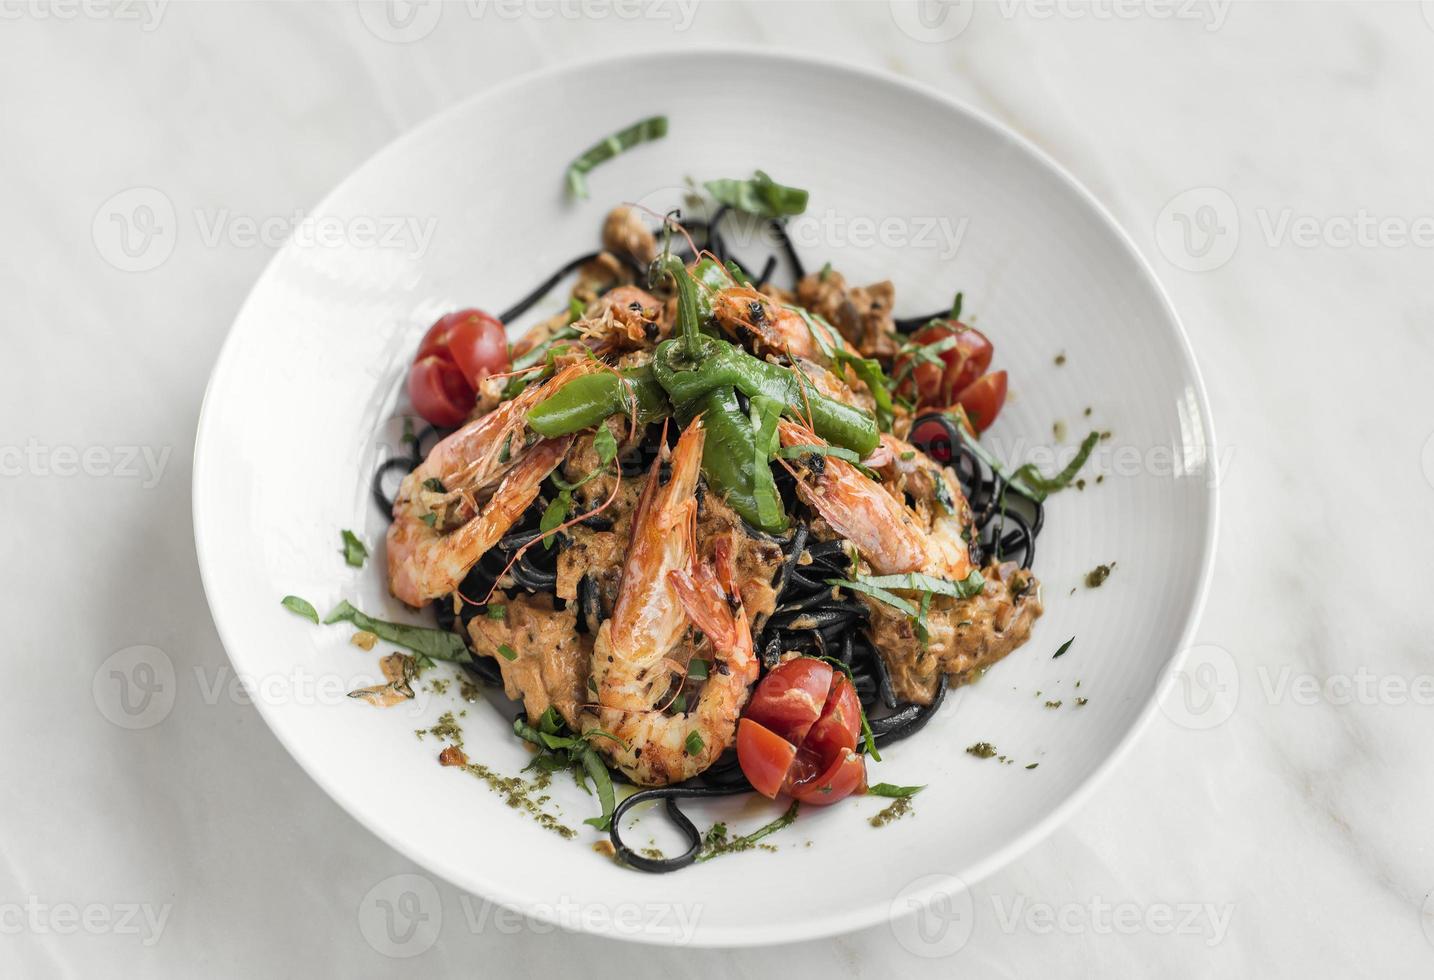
775 329
941 508
439 532
859 509
636 653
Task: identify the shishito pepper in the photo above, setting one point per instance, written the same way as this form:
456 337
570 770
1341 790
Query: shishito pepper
730 459
587 400
721 364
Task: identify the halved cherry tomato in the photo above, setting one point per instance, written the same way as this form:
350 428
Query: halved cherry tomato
973 353
840 724
844 776
439 391
791 697
962 363
924 380
799 734
982 399
479 345
764 756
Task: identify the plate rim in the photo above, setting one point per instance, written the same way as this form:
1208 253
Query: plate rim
867 914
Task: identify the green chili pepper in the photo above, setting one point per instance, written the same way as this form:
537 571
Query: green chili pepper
730 459
721 364
689 312
586 401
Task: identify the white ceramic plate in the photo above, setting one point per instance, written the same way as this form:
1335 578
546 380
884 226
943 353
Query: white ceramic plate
299 409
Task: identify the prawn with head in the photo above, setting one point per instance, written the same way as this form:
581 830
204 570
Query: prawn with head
667 590
472 488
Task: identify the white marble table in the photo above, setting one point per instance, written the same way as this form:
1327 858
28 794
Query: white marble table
1272 160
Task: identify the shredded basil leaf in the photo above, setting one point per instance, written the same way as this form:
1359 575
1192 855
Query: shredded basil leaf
354 551
1027 479
869 371
760 196
765 412
715 843
1033 480
893 792
605 446
971 585
643 131
553 517
301 606
438 644
602 780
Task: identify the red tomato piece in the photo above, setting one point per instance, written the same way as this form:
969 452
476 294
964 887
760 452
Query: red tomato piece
764 756
791 697
924 379
839 727
982 399
844 776
961 363
439 392
478 344
967 361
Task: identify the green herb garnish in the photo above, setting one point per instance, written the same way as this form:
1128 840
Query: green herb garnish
438 644
970 586
694 743
869 371
301 606
1027 479
716 843
354 551
760 196
1064 647
697 670
507 652
894 792
643 131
